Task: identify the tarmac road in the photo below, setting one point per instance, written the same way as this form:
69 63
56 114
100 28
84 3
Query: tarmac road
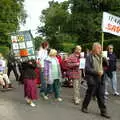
14 107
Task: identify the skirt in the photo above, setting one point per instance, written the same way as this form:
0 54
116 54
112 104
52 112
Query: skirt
30 89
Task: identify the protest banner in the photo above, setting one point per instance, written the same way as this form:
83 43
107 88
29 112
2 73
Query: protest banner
111 24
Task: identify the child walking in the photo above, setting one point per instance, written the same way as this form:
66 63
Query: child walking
29 76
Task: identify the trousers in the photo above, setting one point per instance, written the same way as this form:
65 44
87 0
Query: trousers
113 82
76 89
97 90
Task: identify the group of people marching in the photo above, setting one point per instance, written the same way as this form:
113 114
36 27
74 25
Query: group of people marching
49 69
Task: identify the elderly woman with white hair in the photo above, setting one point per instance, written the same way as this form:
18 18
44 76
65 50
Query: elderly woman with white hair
52 74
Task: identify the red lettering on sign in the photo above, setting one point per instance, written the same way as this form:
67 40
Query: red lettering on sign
113 28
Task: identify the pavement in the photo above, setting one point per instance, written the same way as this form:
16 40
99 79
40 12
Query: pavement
14 107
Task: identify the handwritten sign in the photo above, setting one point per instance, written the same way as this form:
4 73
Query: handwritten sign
111 24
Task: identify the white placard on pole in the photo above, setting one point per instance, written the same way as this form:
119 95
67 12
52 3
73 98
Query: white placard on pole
111 24
82 63
104 54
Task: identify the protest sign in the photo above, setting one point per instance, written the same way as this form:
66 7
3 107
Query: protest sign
111 24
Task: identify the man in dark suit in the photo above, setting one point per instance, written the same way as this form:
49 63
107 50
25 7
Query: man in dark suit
95 80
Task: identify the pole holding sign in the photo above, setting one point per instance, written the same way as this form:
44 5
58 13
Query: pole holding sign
102 40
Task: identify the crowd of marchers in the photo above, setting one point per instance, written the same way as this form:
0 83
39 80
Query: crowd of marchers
50 71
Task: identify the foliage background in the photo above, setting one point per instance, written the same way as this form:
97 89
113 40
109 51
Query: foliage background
12 13
73 22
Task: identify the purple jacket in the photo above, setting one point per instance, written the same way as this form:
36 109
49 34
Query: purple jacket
47 71
112 61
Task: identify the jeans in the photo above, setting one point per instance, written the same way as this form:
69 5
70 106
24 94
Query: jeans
43 87
56 88
49 89
113 81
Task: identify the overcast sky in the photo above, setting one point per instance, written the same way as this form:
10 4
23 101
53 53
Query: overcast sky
33 9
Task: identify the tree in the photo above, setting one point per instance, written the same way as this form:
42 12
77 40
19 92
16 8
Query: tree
82 24
37 42
87 18
12 13
54 19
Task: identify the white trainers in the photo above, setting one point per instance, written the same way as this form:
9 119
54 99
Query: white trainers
116 94
77 101
59 99
27 100
106 93
45 97
32 104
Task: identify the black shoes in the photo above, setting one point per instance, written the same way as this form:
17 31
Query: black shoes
105 115
84 110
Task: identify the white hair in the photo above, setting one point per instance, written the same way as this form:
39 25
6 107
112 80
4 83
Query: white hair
95 45
110 46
